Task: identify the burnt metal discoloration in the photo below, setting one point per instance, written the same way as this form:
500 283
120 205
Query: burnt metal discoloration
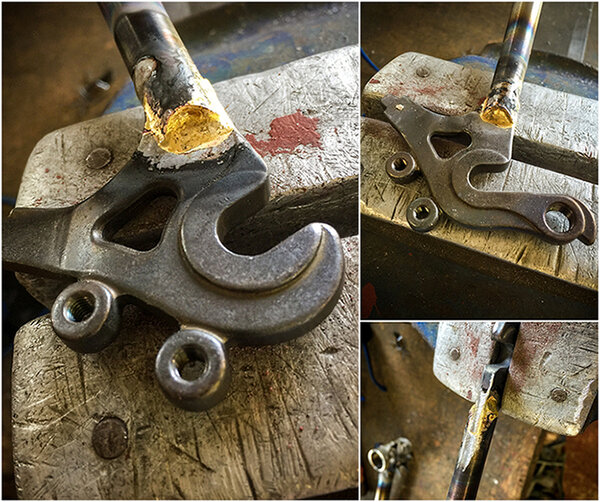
483 415
502 103
110 437
182 110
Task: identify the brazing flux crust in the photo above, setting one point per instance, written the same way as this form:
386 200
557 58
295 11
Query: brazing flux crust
489 151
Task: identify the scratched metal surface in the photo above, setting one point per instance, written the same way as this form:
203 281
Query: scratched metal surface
562 127
288 403
260 105
417 406
545 118
452 89
547 356
386 201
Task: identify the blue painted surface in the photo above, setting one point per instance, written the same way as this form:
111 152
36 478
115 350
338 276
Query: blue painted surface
546 76
428 330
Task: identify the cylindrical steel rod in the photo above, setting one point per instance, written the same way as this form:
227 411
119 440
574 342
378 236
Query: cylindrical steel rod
182 110
474 448
384 483
502 103
483 415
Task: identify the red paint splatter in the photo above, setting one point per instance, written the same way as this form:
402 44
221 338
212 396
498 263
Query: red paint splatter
473 344
430 91
46 170
287 133
373 81
369 299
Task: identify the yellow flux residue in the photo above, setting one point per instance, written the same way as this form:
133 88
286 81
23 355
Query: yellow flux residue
200 123
489 413
496 115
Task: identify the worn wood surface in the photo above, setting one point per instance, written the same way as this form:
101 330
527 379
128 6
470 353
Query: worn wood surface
548 357
418 407
385 201
289 425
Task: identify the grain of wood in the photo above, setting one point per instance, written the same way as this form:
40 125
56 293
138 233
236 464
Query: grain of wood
289 425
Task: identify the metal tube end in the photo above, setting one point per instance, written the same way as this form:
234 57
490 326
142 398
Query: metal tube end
502 104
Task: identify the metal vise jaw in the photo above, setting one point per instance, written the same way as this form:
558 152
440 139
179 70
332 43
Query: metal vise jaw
217 296
553 377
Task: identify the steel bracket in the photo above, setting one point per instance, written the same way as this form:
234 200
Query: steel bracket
217 296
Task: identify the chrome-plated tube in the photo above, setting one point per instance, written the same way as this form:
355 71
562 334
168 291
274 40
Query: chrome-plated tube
502 103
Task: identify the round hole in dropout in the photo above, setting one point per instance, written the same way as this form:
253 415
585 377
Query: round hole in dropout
190 362
558 218
421 212
399 164
79 307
